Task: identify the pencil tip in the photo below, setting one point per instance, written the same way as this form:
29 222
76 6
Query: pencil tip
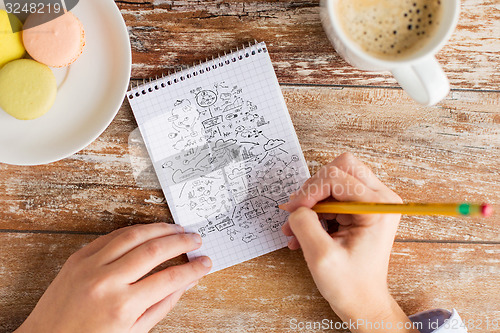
283 207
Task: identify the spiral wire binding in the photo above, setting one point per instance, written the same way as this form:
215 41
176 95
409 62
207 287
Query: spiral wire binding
195 70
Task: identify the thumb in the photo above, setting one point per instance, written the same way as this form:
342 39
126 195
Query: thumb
307 228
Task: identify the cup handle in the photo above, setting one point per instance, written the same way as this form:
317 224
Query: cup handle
424 81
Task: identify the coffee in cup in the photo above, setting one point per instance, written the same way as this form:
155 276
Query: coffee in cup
401 36
389 29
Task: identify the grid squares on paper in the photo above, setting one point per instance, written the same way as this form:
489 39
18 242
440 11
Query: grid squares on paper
255 76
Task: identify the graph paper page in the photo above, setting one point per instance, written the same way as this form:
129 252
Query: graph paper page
225 152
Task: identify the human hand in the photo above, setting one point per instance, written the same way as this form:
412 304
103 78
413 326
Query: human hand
348 265
101 287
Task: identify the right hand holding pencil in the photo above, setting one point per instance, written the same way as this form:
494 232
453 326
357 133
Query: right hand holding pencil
349 264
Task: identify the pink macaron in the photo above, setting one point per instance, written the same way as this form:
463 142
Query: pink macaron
54 40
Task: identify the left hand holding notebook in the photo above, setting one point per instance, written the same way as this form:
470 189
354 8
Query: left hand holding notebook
350 265
101 287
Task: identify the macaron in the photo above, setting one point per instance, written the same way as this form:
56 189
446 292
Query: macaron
28 89
52 39
11 42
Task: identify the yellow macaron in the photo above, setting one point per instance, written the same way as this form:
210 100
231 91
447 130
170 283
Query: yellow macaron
28 89
11 43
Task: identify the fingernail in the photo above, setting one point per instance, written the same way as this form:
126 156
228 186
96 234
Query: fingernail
205 261
180 229
196 238
191 285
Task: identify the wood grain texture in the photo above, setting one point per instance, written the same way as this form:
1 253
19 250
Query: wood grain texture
445 153
449 152
166 35
264 294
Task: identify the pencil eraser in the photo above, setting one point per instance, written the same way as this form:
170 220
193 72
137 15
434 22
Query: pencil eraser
486 210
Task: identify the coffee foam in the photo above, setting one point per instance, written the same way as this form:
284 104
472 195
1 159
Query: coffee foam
389 29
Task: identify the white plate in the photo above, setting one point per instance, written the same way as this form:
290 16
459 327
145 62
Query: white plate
87 100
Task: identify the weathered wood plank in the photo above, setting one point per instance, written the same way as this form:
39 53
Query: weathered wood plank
264 294
168 34
445 153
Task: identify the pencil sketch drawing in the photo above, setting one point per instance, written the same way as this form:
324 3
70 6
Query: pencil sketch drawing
230 165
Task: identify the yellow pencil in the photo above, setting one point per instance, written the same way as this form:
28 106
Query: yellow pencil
454 209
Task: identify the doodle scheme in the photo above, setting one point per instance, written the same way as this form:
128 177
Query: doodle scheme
230 168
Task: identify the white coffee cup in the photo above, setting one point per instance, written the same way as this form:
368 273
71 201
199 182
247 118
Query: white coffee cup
419 74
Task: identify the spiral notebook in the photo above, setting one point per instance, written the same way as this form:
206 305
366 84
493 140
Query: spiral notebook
225 152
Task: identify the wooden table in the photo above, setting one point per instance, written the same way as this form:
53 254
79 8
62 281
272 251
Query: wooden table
449 152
